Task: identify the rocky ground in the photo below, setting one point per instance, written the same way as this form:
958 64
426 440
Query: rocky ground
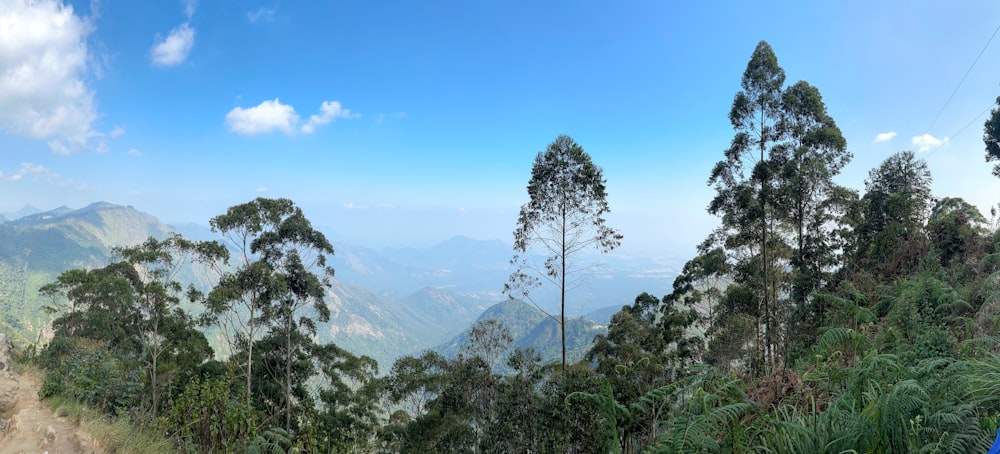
27 425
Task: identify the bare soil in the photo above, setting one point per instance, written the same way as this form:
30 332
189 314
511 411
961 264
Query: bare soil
31 427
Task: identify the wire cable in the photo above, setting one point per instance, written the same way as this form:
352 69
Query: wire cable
936 117
963 128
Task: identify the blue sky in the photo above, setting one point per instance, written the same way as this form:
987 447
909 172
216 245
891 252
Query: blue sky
405 123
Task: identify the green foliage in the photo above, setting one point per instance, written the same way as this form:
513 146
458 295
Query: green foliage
348 417
269 301
710 416
647 345
888 237
87 371
781 214
564 217
208 415
991 137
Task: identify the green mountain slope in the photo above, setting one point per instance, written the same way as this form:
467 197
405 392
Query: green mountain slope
532 328
36 248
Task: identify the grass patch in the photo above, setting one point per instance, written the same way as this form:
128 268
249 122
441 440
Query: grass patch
119 436
113 435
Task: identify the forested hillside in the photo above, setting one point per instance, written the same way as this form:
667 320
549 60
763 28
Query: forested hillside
38 246
815 318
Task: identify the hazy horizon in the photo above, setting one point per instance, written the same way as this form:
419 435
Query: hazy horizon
407 124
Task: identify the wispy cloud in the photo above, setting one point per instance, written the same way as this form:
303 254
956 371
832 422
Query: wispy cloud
262 14
189 7
381 117
28 168
271 116
175 48
328 111
884 137
43 72
268 116
925 142
134 152
117 132
261 190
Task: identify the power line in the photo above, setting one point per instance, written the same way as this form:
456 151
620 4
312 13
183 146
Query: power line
962 81
963 128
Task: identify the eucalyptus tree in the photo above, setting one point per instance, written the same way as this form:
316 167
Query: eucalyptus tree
814 153
158 292
742 180
279 280
563 218
132 305
889 237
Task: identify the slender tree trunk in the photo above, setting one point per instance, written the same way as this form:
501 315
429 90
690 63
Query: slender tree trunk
562 287
288 374
250 352
155 351
763 245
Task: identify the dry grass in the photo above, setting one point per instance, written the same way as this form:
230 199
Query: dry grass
113 435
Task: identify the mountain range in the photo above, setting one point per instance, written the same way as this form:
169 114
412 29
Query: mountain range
384 303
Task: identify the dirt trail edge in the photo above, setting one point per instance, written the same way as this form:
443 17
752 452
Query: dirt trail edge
27 425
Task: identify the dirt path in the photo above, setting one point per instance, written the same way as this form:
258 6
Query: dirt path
30 427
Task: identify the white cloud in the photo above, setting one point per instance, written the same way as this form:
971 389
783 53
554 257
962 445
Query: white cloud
43 64
189 7
28 168
328 111
117 132
262 14
270 116
134 152
261 189
925 142
174 49
266 117
884 137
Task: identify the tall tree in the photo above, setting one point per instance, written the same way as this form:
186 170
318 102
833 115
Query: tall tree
564 217
281 272
742 182
889 237
158 293
814 153
991 137
132 305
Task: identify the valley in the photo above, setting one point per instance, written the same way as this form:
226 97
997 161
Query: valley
384 303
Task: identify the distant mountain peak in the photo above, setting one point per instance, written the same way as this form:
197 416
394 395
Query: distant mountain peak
101 204
26 210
